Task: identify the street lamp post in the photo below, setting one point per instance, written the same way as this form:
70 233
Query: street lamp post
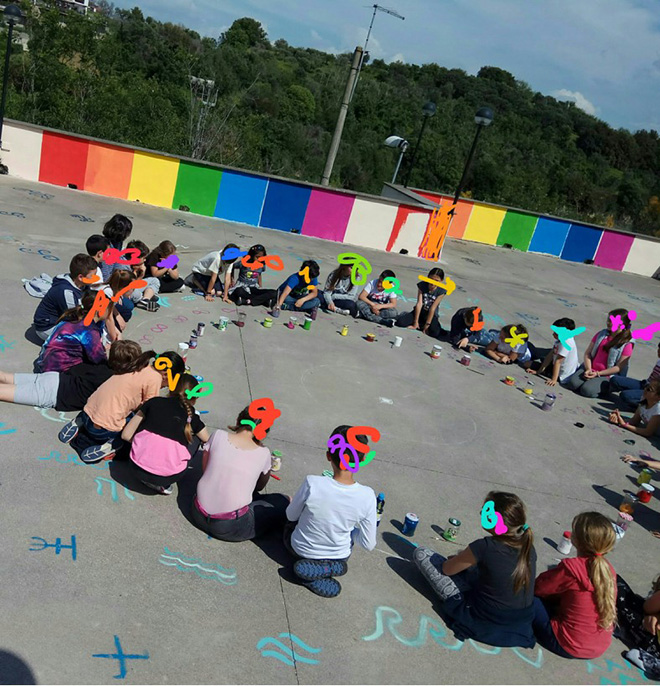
428 111
12 14
484 117
402 145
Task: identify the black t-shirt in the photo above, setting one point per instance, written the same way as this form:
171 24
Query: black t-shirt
428 296
78 383
496 562
167 417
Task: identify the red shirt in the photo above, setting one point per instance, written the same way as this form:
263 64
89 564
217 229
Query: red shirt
576 623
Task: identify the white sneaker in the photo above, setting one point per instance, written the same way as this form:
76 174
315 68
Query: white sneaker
344 312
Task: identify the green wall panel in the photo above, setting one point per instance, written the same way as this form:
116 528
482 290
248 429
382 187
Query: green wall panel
517 229
197 187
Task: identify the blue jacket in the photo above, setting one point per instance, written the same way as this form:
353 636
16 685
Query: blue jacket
62 296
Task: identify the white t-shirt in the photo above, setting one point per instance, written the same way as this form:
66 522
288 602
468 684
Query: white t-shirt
209 264
376 296
648 412
521 349
327 512
570 363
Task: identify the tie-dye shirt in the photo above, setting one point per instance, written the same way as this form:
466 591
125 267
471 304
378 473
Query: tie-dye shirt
70 344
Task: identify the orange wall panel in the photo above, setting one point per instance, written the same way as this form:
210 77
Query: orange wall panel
108 170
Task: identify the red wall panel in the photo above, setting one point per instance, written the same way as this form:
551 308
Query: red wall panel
63 160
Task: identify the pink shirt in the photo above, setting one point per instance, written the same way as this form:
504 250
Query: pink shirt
599 361
231 474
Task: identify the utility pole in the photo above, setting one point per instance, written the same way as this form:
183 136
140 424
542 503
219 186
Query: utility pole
341 119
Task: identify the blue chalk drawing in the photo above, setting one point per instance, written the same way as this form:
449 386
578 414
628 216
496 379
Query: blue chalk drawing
437 631
58 545
44 413
113 488
497 321
164 301
566 302
121 656
623 678
46 254
37 194
74 460
6 431
191 564
4 344
529 318
82 218
189 297
182 222
290 656
20 215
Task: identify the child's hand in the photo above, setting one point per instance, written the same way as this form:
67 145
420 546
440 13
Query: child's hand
299 303
651 623
550 382
332 307
209 297
413 326
533 372
225 299
590 374
505 359
462 343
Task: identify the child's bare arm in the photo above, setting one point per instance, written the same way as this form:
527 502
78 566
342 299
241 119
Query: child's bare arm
210 287
459 563
283 295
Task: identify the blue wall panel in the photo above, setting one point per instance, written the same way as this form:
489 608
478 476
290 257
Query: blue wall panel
285 206
241 197
549 236
581 243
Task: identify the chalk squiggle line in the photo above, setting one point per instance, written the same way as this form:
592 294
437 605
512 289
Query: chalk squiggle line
289 654
199 573
195 562
189 564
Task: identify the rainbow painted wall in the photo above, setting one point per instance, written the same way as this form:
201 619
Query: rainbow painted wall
391 223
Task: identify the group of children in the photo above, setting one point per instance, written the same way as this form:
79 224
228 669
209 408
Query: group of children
489 591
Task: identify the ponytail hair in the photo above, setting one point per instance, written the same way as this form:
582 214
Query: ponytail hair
186 383
518 535
245 415
622 336
594 536
77 313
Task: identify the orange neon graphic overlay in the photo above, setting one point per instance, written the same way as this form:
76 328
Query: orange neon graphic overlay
477 326
264 410
436 232
93 279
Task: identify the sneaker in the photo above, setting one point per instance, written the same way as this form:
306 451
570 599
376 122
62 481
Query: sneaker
338 310
70 430
148 305
310 570
180 289
326 588
388 322
97 453
163 490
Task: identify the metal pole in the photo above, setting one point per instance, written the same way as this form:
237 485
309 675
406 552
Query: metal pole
341 119
5 80
398 164
414 155
467 167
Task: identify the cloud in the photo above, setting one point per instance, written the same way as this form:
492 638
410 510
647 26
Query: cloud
577 98
397 58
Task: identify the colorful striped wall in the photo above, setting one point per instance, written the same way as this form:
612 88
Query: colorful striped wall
393 223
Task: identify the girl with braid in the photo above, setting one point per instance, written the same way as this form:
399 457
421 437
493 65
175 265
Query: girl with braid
575 604
162 432
487 590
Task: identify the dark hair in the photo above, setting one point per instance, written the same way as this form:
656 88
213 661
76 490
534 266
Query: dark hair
77 313
335 455
140 362
82 264
387 274
468 316
178 365
564 323
520 328
96 243
436 271
186 383
144 250
163 250
122 355
255 249
621 337
518 535
654 387
343 271
118 229
244 414
314 269
119 279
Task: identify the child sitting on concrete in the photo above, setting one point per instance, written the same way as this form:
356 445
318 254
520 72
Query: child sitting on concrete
294 293
503 352
328 513
376 304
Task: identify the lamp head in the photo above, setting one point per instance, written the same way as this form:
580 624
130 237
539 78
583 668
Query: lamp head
12 14
397 142
429 109
484 116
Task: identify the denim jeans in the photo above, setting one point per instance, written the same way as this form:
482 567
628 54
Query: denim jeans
631 389
543 630
290 304
365 312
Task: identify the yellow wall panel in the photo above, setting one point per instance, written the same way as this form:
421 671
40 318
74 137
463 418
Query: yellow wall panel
154 179
484 225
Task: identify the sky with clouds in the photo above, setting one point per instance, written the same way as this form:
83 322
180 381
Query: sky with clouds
604 55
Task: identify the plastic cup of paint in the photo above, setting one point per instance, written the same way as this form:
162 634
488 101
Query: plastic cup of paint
308 323
268 323
410 524
645 493
435 352
371 337
223 323
509 380
183 350
465 360
275 312
528 391
292 322
644 477
624 520
241 319
398 340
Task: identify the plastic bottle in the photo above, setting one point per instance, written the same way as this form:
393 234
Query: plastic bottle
380 506
565 544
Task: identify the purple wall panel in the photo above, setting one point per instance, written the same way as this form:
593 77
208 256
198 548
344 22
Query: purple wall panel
327 215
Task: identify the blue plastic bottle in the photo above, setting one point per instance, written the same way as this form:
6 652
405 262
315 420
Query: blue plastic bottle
380 506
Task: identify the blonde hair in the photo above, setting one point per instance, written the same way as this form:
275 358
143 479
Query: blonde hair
594 536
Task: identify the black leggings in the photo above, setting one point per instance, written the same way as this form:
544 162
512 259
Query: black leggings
408 318
256 296
169 285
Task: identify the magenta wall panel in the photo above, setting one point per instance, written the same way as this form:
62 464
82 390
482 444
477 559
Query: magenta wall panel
327 215
613 250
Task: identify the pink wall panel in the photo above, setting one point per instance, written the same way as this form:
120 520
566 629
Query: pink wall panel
327 215
613 250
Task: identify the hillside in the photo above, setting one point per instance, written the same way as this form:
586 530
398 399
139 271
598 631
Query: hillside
120 76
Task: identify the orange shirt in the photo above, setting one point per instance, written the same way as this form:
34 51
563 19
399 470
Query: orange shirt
120 395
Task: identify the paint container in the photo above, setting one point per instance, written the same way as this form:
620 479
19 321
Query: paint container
344 330
618 531
628 503
200 379
200 328
645 493
275 312
192 344
528 391
380 506
565 544
313 313
629 441
371 337
509 380
275 463
549 402
292 322
223 323
268 323
410 524
183 350
644 477
398 340
624 521
308 323
465 360
451 532
241 319
435 352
